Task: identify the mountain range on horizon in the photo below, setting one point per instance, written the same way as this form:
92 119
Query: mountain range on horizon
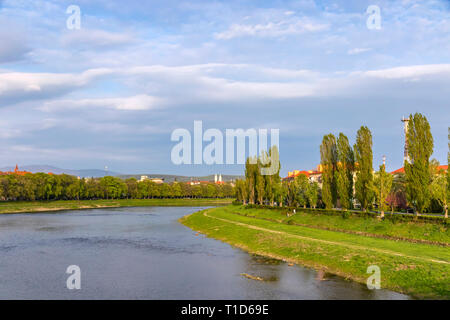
84 173
98 173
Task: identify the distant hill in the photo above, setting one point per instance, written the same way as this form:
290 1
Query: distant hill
97 173
84 173
171 178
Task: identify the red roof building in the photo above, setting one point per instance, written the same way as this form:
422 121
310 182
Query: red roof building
16 171
313 175
402 169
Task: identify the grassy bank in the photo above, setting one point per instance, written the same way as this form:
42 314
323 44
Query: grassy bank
41 206
415 231
421 270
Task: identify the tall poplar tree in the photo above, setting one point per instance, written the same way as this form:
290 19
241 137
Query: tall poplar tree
302 186
328 159
251 172
418 174
344 171
272 180
312 194
364 167
439 190
260 184
383 187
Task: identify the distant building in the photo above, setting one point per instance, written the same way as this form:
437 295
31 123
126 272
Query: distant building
16 171
155 180
197 182
313 175
402 169
218 179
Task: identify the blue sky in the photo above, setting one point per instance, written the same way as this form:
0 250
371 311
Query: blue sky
112 92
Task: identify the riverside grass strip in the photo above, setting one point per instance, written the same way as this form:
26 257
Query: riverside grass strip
397 230
59 205
419 270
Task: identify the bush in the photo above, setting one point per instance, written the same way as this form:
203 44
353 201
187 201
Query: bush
346 214
291 222
394 218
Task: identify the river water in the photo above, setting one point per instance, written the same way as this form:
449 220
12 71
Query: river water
144 253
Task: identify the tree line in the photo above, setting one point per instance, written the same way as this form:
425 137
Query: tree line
349 178
271 189
349 181
42 186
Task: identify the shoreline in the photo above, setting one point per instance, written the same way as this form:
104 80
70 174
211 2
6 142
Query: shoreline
68 205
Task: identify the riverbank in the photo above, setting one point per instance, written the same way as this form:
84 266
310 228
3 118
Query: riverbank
420 231
59 205
418 269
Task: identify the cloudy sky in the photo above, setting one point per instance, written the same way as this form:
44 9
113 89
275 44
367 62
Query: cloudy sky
112 92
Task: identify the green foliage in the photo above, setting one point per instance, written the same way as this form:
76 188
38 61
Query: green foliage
257 187
364 167
251 174
290 190
301 182
439 189
382 188
346 214
312 194
41 186
418 174
344 172
328 159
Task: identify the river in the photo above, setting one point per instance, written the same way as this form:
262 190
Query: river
144 253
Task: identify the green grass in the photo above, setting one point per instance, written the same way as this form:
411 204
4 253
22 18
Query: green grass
421 270
414 231
40 206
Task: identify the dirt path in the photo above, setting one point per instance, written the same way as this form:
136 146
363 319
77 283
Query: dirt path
357 247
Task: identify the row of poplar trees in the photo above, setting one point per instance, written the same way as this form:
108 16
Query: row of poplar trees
259 188
339 163
348 172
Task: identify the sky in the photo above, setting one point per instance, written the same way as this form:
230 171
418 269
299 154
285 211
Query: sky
112 92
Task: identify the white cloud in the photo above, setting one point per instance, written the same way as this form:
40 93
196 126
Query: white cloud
91 38
138 102
272 29
176 86
21 86
411 72
215 82
358 50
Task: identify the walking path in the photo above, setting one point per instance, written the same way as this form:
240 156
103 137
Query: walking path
357 247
